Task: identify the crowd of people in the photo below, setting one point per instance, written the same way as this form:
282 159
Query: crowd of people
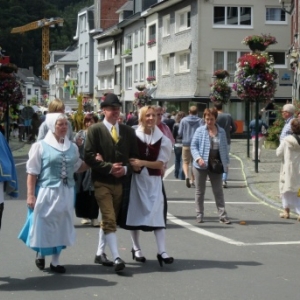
121 159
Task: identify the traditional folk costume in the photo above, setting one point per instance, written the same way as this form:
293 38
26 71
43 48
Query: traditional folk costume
49 227
146 205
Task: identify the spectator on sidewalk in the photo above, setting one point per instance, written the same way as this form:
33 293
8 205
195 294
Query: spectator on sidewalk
55 106
261 136
225 121
187 128
288 111
209 142
178 171
8 174
289 182
133 120
169 122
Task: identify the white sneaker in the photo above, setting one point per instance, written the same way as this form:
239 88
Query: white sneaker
85 221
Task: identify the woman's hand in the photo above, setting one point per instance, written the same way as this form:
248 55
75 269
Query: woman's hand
201 162
136 162
31 201
99 157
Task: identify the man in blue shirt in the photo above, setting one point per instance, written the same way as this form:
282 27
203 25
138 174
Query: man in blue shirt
288 111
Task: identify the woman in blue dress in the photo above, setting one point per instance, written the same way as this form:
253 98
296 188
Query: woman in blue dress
50 193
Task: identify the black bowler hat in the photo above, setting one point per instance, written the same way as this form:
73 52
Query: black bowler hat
111 100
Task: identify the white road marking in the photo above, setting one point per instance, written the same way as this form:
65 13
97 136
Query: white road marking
212 202
19 164
223 238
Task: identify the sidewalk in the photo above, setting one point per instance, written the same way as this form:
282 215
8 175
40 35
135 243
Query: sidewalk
264 184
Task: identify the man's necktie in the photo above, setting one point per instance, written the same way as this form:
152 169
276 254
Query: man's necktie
114 134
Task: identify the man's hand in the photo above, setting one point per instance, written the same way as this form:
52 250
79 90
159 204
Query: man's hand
117 170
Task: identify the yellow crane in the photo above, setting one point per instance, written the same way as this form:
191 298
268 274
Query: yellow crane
45 24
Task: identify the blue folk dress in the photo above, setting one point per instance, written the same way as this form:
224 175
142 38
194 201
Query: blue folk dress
49 227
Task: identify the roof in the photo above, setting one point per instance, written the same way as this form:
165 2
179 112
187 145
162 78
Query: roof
127 6
70 56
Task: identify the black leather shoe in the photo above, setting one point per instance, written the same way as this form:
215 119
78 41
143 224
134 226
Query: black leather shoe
139 259
102 260
40 263
167 260
58 269
119 264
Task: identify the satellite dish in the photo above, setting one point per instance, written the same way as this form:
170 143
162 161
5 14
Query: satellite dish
27 112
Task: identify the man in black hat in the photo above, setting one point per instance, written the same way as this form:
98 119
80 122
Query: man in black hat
116 143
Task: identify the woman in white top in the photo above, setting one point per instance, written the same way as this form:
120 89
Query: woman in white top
50 193
147 208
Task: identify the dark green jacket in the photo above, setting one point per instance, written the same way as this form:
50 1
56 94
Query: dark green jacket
99 140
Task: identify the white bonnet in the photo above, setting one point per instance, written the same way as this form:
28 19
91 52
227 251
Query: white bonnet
52 118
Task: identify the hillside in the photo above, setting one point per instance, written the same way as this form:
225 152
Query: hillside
25 49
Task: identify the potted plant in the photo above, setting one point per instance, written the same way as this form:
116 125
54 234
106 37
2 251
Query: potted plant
259 42
127 52
255 77
221 74
151 42
220 91
274 131
151 78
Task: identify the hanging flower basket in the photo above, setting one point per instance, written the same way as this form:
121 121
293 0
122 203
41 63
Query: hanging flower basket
10 90
140 87
259 42
256 46
221 74
220 91
255 77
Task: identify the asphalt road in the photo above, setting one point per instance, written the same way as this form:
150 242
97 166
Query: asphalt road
258 260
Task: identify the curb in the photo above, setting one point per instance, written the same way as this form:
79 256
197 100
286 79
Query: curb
253 190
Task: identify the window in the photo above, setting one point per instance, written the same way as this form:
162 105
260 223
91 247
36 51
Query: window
136 72
117 47
117 75
73 73
183 19
80 51
102 83
166 64
232 16
275 16
166 25
110 82
142 74
279 59
227 60
80 79
128 42
86 50
82 23
28 91
128 77
182 61
142 36
136 39
152 32
86 79
109 51
102 54
152 69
